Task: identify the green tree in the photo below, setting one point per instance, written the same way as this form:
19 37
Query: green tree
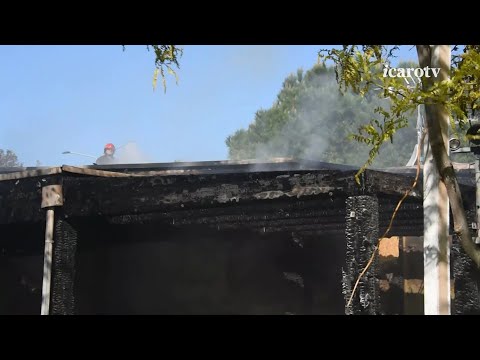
8 159
456 96
310 119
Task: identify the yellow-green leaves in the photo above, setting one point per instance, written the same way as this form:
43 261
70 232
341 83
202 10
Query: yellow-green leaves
359 68
166 56
155 78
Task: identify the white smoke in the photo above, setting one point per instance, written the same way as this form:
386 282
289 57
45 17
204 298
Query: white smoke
308 124
321 117
130 153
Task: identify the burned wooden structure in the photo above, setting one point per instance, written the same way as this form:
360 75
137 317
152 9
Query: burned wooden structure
279 237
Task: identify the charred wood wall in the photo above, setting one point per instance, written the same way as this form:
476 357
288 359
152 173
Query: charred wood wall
21 268
260 206
158 269
467 282
400 275
361 239
465 273
64 268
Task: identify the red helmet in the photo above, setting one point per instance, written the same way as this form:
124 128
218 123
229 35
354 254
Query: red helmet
109 146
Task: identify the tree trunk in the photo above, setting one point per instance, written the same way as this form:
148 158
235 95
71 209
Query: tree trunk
444 165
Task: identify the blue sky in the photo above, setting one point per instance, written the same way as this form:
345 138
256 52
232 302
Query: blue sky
77 98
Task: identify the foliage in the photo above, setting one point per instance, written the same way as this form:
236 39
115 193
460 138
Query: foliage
357 68
166 58
310 119
8 159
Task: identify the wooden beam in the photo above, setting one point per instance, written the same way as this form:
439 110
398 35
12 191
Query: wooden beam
361 239
93 196
30 173
87 196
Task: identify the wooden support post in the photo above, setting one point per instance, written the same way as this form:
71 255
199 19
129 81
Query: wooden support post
63 279
51 197
361 233
59 260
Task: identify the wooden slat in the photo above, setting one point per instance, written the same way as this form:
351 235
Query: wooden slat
412 271
30 173
93 172
389 247
389 275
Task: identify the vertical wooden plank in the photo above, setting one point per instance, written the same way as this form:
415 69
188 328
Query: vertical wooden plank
390 276
63 274
412 268
361 238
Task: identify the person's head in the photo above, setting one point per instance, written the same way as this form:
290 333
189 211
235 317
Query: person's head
109 149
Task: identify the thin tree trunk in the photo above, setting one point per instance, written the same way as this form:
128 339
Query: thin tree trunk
444 165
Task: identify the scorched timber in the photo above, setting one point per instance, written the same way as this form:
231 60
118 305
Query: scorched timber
263 191
116 196
20 199
320 214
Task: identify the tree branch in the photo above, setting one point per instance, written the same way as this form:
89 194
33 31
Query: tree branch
433 112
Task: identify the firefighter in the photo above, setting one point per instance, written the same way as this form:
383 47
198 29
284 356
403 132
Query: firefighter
107 157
